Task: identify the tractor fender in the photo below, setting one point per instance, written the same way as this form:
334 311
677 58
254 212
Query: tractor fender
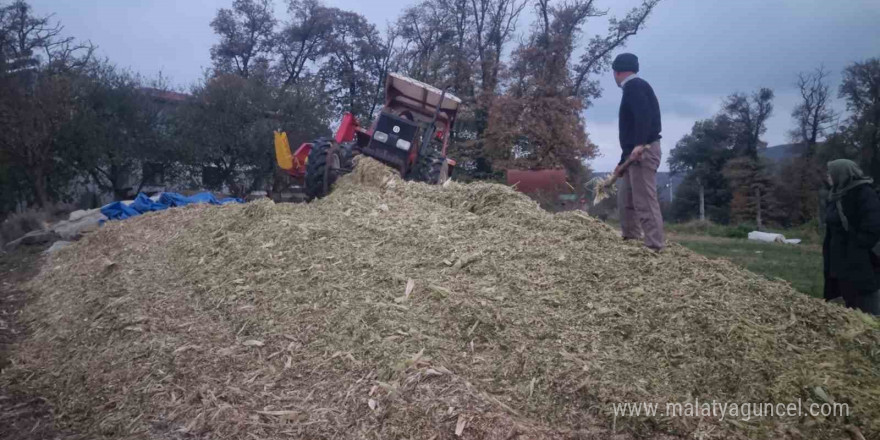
293 164
301 159
347 128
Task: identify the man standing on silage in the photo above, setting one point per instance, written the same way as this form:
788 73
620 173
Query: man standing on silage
640 139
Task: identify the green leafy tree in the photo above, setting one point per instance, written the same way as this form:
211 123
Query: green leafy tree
225 130
116 128
30 121
861 90
701 156
749 115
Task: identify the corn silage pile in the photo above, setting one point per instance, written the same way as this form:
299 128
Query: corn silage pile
400 310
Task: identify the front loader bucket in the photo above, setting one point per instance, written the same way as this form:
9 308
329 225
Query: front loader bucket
282 151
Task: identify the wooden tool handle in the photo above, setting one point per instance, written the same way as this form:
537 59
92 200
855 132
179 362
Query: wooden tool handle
629 161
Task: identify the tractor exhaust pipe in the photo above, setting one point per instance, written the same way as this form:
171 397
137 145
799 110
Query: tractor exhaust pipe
429 133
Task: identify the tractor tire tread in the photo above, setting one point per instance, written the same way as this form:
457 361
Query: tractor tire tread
317 167
428 167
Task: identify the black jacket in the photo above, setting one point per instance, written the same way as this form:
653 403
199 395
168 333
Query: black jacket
847 254
639 119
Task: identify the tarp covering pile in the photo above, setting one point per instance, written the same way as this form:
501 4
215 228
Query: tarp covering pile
396 310
143 204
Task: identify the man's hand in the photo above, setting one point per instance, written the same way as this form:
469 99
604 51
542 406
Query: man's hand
618 171
638 152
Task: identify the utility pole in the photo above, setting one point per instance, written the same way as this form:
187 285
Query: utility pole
702 201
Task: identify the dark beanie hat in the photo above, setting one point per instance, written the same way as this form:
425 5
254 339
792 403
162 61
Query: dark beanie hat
626 62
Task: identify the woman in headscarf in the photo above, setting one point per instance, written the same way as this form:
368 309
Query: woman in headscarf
853 230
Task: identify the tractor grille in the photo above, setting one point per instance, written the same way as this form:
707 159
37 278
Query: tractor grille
385 145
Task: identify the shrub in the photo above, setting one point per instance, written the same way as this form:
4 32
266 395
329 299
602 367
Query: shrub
19 224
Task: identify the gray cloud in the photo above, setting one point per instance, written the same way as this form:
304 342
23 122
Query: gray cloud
694 52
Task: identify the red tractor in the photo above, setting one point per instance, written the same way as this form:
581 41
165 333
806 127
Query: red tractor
411 134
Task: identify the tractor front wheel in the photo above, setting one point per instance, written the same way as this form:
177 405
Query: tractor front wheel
431 168
326 163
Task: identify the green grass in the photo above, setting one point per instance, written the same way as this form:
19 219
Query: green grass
801 265
709 229
808 232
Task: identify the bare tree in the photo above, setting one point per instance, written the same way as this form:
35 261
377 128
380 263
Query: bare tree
797 195
355 58
303 39
461 70
383 65
421 27
749 115
247 36
28 41
814 116
28 35
747 173
597 57
538 121
436 45
494 24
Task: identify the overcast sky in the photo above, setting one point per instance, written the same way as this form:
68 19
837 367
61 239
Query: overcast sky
694 52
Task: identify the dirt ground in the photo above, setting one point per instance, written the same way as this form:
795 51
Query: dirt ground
22 417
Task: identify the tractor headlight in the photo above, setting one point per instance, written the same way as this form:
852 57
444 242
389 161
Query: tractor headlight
380 136
403 145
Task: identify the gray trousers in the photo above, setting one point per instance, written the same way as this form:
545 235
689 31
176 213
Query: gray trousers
637 201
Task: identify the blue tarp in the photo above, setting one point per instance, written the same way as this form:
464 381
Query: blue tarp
142 204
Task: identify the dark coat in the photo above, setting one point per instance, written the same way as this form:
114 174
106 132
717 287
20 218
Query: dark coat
639 117
847 254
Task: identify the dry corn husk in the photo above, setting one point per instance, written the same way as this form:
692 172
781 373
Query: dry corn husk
281 321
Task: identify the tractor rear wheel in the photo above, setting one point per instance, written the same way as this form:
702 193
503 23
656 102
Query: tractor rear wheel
326 163
431 167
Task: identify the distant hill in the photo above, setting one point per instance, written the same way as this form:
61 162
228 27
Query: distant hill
778 153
